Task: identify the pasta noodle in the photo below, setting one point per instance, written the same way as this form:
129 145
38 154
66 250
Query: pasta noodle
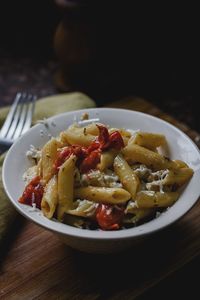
49 153
99 178
50 198
103 194
149 140
126 175
135 153
66 186
78 136
149 199
106 160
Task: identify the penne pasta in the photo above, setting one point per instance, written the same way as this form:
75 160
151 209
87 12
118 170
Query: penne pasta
91 129
50 197
181 164
63 139
103 194
84 208
66 186
48 157
149 140
151 199
178 177
106 160
173 178
75 135
128 178
135 153
39 168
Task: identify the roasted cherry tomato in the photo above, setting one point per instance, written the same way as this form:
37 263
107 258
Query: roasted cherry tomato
106 140
109 217
116 140
103 137
33 193
80 152
90 162
62 156
89 157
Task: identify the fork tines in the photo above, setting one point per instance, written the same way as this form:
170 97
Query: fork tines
19 118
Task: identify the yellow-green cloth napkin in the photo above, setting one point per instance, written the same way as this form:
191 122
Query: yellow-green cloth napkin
44 108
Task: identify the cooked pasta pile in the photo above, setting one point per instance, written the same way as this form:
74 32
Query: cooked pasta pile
97 177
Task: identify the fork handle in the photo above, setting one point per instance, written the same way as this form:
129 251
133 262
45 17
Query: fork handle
4 145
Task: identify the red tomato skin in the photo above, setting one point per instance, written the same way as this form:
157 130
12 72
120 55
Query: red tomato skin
109 217
90 162
33 193
62 156
103 137
116 140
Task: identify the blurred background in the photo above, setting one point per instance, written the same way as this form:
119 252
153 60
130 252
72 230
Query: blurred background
107 49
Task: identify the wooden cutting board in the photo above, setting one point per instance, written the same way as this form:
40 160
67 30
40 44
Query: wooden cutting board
36 265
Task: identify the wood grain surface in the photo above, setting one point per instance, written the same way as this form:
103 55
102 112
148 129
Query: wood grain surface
35 264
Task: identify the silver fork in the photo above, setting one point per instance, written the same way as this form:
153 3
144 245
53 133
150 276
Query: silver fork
18 120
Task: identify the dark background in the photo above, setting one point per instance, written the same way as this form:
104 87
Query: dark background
143 51
140 50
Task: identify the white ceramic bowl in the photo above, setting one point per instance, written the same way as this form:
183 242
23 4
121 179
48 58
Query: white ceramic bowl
180 146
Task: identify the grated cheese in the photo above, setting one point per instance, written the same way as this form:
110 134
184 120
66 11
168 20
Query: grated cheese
106 179
159 182
32 208
33 153
142 171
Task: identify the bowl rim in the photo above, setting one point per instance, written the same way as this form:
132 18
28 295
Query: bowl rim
67 230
